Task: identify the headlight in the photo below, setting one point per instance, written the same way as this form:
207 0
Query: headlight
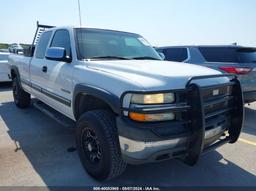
152 98
154 101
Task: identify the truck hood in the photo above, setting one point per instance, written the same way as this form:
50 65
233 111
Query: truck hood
154 75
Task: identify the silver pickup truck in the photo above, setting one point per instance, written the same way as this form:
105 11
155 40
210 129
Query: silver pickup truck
128 104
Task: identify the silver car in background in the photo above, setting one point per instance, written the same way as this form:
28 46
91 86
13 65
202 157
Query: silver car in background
16 48
4 67
228 59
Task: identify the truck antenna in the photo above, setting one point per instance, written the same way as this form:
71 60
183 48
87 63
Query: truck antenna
79 9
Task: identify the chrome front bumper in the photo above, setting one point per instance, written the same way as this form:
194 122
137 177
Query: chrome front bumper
138 152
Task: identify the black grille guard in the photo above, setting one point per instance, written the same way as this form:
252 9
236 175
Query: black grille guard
194 106
196 144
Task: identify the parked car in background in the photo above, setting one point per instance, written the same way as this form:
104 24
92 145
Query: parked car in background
230 59
15 48
4 67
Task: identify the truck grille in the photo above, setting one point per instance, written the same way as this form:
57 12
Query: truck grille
217 106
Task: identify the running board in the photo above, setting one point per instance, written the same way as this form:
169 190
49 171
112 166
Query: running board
55 115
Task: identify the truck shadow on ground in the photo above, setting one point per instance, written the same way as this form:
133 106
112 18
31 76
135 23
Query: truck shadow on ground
45 144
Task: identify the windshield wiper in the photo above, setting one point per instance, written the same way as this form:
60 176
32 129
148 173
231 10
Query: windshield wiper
109 57
145 58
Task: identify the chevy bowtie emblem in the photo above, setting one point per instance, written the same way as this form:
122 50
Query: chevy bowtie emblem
215 92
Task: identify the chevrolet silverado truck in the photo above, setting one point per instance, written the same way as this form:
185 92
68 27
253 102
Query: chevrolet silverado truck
129 106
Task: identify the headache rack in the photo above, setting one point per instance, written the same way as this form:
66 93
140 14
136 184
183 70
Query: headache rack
39 30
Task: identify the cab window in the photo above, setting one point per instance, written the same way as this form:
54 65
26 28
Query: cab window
42 44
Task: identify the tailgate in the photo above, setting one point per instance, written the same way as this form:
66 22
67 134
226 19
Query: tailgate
4 67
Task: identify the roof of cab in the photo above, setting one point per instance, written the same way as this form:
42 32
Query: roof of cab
92 29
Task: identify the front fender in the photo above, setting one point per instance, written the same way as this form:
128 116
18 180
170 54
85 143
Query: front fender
112 100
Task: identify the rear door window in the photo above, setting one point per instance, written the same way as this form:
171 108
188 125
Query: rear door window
219 54
42 44
228 54
247 55
175 54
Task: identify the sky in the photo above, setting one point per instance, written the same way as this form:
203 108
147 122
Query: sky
162 22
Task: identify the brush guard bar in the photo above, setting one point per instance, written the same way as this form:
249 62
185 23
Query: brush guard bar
197 127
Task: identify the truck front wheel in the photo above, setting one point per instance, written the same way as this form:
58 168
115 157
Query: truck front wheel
98 145
21 98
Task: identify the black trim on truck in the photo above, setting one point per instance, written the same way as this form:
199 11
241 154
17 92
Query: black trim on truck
150 132
54 96
112 100
57 97
149 109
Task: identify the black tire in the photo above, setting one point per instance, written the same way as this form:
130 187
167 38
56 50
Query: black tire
99 126
21 98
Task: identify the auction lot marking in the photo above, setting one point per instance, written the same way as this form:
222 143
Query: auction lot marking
248 142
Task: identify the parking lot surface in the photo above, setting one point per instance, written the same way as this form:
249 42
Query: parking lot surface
37 151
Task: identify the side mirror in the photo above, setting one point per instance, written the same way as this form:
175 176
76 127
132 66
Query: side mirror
161 55
57 54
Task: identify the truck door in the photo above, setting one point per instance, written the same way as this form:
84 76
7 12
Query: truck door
38 78
59 75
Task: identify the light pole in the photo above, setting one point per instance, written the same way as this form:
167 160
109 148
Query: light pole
79 9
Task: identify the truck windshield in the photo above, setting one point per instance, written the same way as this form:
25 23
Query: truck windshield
106 44
229 54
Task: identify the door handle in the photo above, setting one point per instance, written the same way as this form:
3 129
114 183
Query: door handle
44 69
